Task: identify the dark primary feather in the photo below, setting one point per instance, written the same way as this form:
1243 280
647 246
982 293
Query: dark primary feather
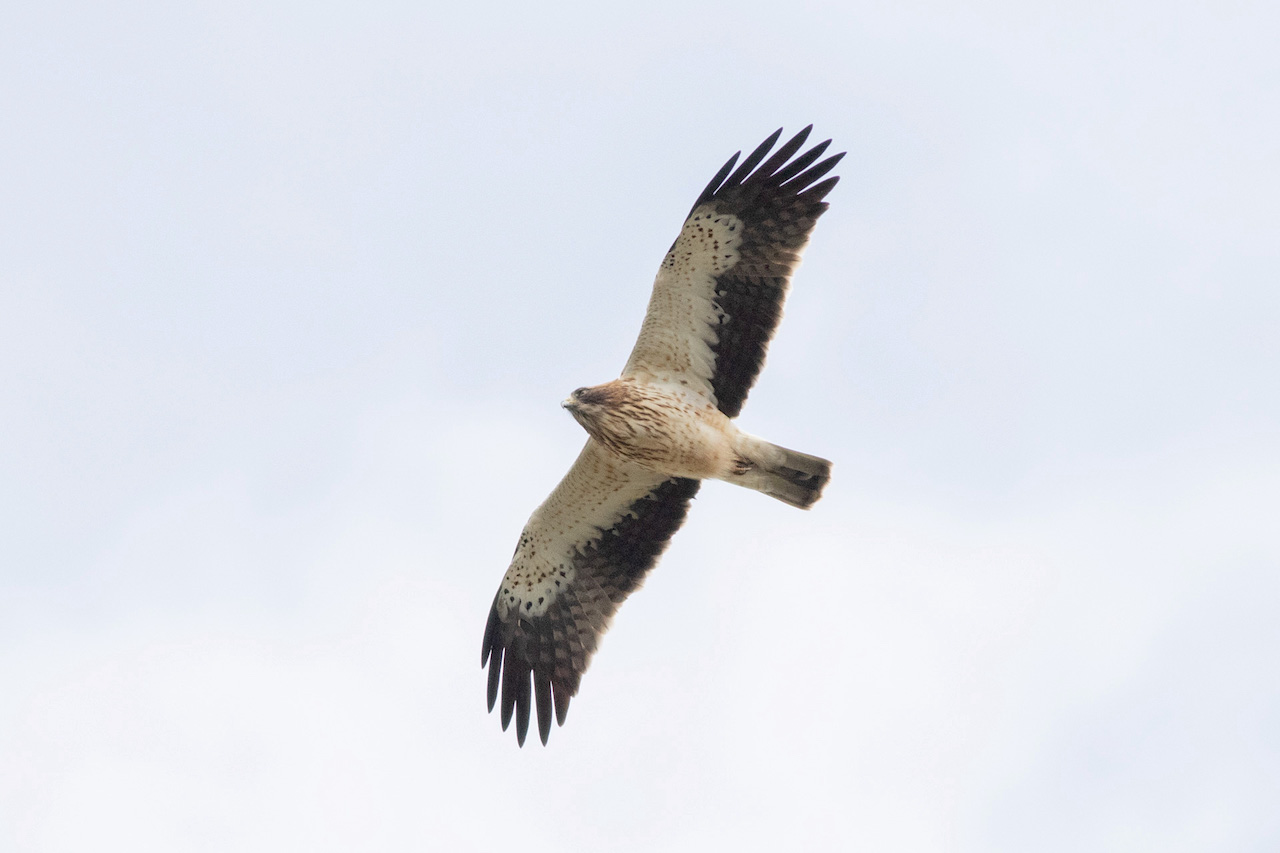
754 158
554 649
778 203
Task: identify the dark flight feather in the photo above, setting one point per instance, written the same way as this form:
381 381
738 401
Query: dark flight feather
778 204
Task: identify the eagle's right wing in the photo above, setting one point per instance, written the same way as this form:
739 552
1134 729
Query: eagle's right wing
582 553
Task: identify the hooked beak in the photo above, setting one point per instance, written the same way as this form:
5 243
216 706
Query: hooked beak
569 404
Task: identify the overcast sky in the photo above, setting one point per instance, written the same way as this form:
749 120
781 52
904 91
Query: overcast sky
289 296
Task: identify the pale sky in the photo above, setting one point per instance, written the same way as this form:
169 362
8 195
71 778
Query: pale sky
289 296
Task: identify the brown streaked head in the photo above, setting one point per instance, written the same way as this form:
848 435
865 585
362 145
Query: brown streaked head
597 395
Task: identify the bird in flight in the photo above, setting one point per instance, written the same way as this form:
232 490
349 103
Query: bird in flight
661 428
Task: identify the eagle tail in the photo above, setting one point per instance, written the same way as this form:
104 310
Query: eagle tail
788 475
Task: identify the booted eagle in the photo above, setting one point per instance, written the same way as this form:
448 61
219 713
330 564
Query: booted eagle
660 429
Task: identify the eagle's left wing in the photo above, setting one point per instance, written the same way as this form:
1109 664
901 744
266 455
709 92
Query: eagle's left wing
718 295
582 553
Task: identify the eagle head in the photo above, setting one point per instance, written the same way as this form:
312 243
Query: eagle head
591 406
593 399
593 396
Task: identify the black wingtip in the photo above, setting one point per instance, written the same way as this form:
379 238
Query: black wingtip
780 171
490 628
753 159
799 139
818 192
796 166
522 717
781 156
562 697
714 184
800 182
542 697
511 677
495 672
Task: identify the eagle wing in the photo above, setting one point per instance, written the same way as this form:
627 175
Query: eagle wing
581 554
719 292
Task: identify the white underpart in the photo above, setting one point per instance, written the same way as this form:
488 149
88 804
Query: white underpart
592 497
682 322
